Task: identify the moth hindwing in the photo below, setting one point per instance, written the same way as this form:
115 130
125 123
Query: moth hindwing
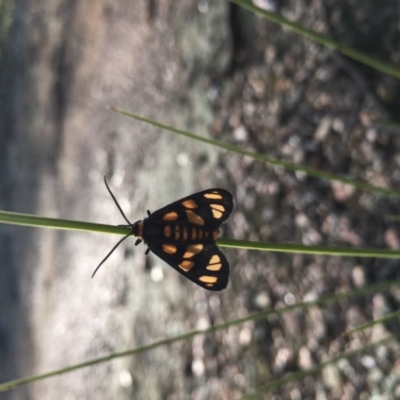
183 234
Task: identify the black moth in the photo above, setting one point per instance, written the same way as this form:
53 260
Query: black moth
183 234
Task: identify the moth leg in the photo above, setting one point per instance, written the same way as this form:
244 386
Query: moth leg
147 251
138 241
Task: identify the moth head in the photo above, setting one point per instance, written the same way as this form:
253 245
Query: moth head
137 229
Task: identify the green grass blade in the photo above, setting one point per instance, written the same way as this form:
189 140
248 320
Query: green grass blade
314 250
269 160
394 218
370 324
13 218
296 376
5 386
55 223
394 126
317 37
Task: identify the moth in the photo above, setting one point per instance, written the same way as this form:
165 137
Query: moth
184 233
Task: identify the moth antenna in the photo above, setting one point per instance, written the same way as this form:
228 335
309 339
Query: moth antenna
120 241
110 252
116 202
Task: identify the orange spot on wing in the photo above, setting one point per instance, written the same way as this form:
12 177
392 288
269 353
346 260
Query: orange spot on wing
213 196
215 259
216 214
208 279
186 265
194 218
169 248
214 263
192 250
217 210
189 203
170 216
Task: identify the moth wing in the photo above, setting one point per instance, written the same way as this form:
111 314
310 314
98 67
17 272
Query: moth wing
208 208
207 267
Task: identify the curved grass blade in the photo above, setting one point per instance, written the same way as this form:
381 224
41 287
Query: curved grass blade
5 386
269 160
317 37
